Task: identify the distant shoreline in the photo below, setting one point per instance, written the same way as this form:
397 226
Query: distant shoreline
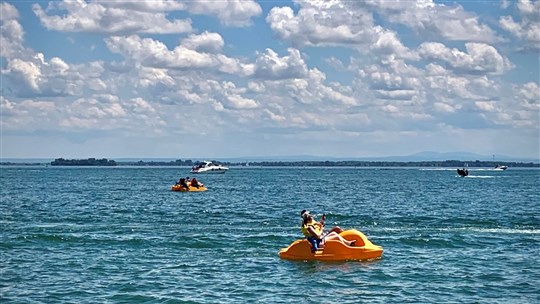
92 162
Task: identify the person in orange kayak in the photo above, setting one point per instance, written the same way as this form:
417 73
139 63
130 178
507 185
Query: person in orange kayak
314 231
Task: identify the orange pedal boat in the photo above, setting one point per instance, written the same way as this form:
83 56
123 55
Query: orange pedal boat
334 250
191 188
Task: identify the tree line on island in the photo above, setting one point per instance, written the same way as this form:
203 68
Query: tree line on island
343 163
83 162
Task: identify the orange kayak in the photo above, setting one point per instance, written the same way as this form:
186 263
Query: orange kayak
334 250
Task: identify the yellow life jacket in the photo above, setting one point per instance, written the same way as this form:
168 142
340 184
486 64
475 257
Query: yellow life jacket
316 226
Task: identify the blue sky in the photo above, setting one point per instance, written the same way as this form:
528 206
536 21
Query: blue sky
222 79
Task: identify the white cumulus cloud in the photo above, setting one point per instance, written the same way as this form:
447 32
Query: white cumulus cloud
229 12
153 53
269 65
528 28
205 42
12 33
478 58
99 17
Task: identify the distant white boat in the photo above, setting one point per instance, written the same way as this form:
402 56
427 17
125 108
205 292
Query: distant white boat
500 167
208 167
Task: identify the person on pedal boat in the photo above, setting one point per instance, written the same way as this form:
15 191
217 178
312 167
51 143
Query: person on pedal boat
314 232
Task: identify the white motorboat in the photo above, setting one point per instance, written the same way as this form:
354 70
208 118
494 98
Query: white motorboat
501 167
208 167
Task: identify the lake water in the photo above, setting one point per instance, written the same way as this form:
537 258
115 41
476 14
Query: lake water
119 235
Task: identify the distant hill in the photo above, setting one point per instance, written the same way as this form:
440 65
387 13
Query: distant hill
421 156
26 160
464 156
417 157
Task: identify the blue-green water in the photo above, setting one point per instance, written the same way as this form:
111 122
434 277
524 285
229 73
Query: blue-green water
119 235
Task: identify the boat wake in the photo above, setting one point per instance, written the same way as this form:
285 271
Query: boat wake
503 230
461 229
